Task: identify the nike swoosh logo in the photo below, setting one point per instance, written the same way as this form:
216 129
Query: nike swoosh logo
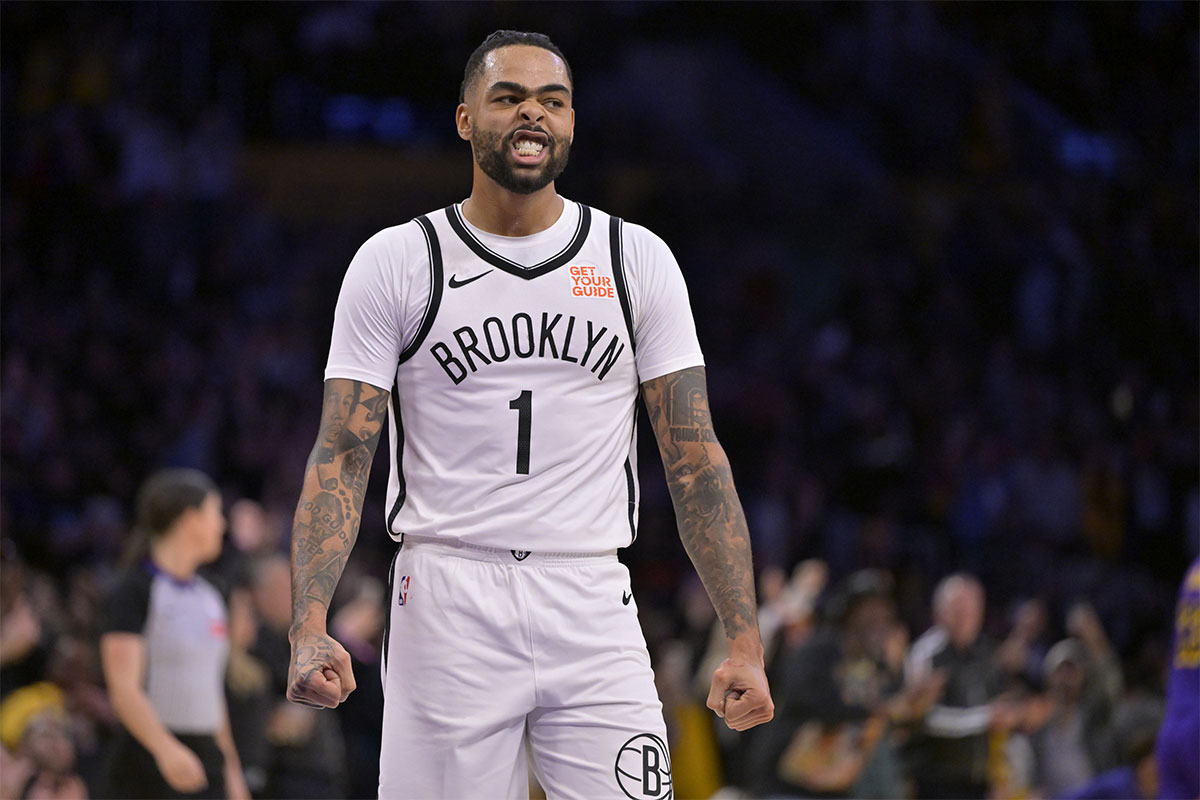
455 282
625 598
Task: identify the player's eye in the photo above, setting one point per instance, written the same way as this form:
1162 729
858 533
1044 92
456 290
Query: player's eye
508 99
553 103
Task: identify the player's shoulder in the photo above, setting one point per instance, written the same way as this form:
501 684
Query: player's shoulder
396 238
394 249
641 236
641 248
632 233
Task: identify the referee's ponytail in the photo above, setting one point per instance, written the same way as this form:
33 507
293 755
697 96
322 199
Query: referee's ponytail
163 498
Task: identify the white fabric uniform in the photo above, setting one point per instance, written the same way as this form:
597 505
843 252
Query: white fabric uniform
514 365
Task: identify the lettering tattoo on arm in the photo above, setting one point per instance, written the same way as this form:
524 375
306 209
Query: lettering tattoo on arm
711 522
335 482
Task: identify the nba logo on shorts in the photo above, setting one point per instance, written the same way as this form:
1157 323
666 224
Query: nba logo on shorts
643 768
403 593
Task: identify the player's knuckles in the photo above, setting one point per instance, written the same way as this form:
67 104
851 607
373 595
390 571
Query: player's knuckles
735 720
760 716
305 691
307 682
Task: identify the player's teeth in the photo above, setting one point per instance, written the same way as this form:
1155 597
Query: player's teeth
528 148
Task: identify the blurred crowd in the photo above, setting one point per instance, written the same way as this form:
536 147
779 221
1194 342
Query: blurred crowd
1034 707
942 261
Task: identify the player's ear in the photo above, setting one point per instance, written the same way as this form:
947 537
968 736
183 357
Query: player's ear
572 138
462 121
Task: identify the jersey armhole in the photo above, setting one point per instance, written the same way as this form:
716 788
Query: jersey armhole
616 241
435 288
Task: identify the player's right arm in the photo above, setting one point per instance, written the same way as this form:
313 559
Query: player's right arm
323 534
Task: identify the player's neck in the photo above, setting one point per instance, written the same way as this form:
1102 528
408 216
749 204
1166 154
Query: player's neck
499 211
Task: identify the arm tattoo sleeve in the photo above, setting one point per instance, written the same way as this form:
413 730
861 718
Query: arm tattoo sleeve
707 510
335 481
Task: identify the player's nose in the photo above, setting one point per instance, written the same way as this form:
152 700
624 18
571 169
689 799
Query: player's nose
531 110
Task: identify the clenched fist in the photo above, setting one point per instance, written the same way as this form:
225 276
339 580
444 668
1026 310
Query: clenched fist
740 694
320 675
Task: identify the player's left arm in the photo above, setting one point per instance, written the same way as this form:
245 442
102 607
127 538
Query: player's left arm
712 526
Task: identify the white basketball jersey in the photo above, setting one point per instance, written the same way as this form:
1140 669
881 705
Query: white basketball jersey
514 365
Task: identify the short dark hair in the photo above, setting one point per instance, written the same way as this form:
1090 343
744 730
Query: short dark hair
166 495
504 39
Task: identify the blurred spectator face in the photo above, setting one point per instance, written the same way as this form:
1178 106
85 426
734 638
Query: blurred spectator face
72 661
1066 681
492 117
1066 671
1030 620
248 526
12 588
273 592
243 624
85 599
47 743
871 622
959 609
771 583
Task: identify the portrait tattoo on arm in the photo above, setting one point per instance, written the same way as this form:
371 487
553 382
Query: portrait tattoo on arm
335 483
711 523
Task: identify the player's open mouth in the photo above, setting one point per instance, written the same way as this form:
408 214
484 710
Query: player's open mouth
529 147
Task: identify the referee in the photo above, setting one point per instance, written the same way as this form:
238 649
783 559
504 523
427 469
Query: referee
164 647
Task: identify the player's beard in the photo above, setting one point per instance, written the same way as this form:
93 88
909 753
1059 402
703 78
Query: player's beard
492 154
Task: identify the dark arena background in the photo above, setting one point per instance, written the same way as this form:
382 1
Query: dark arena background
943 261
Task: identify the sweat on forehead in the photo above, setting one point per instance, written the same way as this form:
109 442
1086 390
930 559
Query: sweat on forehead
500 39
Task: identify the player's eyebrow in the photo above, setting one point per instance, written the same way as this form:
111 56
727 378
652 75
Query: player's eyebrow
517 88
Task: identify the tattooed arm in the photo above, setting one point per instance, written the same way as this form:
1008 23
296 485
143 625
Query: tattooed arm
323 533
713 529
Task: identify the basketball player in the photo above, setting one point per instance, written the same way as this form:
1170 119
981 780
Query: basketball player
504 341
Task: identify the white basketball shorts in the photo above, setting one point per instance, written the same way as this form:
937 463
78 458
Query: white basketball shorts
491 653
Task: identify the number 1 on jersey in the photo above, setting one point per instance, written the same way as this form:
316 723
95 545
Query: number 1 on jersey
523 405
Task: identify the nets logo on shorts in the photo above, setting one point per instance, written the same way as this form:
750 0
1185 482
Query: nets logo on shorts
643 768
402 594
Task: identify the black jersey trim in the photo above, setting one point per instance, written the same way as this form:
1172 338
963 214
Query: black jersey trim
615 243
387 619
454 216
631 482
402 494
435 288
